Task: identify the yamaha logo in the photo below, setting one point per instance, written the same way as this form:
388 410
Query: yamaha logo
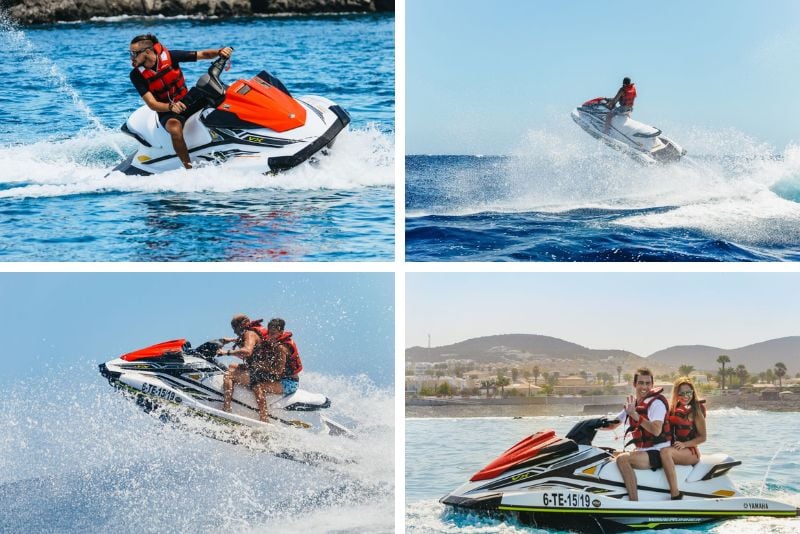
596 503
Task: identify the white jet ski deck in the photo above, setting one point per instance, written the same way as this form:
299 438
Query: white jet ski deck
256 121
566 483
644 143
183 380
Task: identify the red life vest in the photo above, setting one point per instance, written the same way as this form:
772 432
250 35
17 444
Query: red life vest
641 437
293 363
265 349
628 95
165 82
683 428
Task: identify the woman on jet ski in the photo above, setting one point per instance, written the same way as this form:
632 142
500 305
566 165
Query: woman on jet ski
157 76
688 422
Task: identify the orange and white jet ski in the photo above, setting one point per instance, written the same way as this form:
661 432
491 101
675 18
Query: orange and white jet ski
256 122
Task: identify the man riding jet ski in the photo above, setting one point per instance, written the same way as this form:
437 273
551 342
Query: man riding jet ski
603 119
569 484
183 380
255 121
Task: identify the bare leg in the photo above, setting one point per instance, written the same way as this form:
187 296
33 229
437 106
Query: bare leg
628 476
227 388
260 391
627 462
670 457
175 129
261 400
232 377
607 126
669 470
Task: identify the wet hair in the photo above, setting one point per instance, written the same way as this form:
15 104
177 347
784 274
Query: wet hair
278 323
145 37
644 371
239 320
626 81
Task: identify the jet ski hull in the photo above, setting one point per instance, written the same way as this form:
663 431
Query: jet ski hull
185 385
555 482
255 123
581 511
642 142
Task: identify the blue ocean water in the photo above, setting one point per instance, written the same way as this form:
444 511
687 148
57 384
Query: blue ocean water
78 456
441 454
68 93
566 197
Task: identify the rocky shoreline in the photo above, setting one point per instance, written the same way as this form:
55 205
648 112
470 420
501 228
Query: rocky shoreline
49 11
560 406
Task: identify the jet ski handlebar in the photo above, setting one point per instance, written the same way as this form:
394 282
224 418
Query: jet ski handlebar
217 67
584 431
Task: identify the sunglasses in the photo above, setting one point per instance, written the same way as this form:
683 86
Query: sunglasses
135 53
686 393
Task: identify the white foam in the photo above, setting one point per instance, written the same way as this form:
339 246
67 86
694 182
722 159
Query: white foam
360 158
724 187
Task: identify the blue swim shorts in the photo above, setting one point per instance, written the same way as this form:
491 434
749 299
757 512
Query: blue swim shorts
289 386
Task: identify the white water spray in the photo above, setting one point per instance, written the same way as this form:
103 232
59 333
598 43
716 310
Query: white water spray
781 449
15 39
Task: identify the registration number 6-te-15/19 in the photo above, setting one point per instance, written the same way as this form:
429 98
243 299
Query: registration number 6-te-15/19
572 500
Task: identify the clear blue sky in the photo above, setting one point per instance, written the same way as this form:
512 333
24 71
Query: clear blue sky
480 74
639 312
343 322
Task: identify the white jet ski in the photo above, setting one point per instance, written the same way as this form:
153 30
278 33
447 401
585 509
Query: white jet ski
256 122
644 143
179 381
569 484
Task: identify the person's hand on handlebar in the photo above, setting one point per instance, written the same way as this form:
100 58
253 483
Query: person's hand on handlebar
177 107
226 52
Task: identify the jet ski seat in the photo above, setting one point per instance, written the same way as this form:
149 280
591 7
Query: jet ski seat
710 466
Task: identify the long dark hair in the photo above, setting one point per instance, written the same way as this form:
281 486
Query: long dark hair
694 404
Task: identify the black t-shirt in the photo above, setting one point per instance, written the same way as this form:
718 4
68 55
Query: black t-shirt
141 84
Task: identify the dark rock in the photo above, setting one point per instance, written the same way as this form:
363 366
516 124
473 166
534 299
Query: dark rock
44 11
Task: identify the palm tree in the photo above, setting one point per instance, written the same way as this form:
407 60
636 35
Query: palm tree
723 359
487 385
503 381
535 374
685 370
619 375
528 380
742 374
769 376
780 372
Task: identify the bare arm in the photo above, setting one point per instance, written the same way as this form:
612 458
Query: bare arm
154 104
654 427
700 427
246 351
212 53
613 101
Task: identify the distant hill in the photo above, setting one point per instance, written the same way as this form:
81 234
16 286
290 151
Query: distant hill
757 357
520 348
511 348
